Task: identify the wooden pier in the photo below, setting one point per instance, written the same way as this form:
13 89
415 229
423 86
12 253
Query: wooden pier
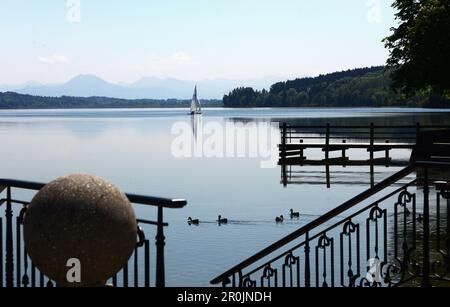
298 141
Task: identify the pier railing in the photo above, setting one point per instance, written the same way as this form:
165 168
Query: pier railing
385 236
371 134
17 270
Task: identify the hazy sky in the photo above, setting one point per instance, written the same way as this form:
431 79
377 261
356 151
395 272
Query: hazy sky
122 41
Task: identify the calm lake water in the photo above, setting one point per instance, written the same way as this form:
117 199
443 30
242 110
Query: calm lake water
134 149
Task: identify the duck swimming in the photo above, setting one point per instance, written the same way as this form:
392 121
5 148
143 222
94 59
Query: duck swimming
279 219
193 222
294 214
222 220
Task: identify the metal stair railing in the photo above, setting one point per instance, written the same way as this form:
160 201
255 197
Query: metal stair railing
401 238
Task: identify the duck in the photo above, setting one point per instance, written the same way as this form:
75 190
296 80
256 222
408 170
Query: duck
294 214
279 219
222 220
193 222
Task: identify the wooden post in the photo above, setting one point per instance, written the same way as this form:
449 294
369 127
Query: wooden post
343 149
327 156
344 153
327 170
371 148
387 154
417 132
284 174
283 141
302 152
327 143
372 140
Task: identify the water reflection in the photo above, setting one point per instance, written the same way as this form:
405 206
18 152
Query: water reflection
132 148
197 125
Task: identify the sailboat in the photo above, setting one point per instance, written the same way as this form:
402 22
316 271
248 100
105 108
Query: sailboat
196 108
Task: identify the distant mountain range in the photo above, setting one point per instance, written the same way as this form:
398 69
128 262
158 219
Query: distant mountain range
361 87
145 88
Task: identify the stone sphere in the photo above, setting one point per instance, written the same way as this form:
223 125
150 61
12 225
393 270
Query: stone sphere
80 217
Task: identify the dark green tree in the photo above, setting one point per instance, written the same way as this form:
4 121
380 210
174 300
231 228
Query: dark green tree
420 47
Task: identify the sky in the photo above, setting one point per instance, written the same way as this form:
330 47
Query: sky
52 41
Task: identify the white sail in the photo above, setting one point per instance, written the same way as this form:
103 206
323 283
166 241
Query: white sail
195 105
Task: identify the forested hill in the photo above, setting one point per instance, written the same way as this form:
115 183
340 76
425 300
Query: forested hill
363 87
10 100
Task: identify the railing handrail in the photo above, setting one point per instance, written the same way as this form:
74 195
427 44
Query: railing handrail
327 217
134 198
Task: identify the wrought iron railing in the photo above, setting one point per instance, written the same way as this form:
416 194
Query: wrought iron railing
386 236
17 270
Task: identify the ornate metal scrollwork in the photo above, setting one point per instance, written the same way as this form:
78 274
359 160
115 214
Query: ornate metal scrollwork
404 266
441 269
375 214
247 282
290 263
290 260
349 228
141 237
324 241
268 274
22 213
394 273
404 198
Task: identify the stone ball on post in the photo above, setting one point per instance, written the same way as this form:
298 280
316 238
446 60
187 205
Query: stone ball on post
80 220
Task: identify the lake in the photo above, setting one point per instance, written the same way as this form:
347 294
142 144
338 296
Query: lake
137 150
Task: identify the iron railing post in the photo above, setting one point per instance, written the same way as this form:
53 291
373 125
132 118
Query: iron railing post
1 253
307 262
426 282
9 269
160 243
